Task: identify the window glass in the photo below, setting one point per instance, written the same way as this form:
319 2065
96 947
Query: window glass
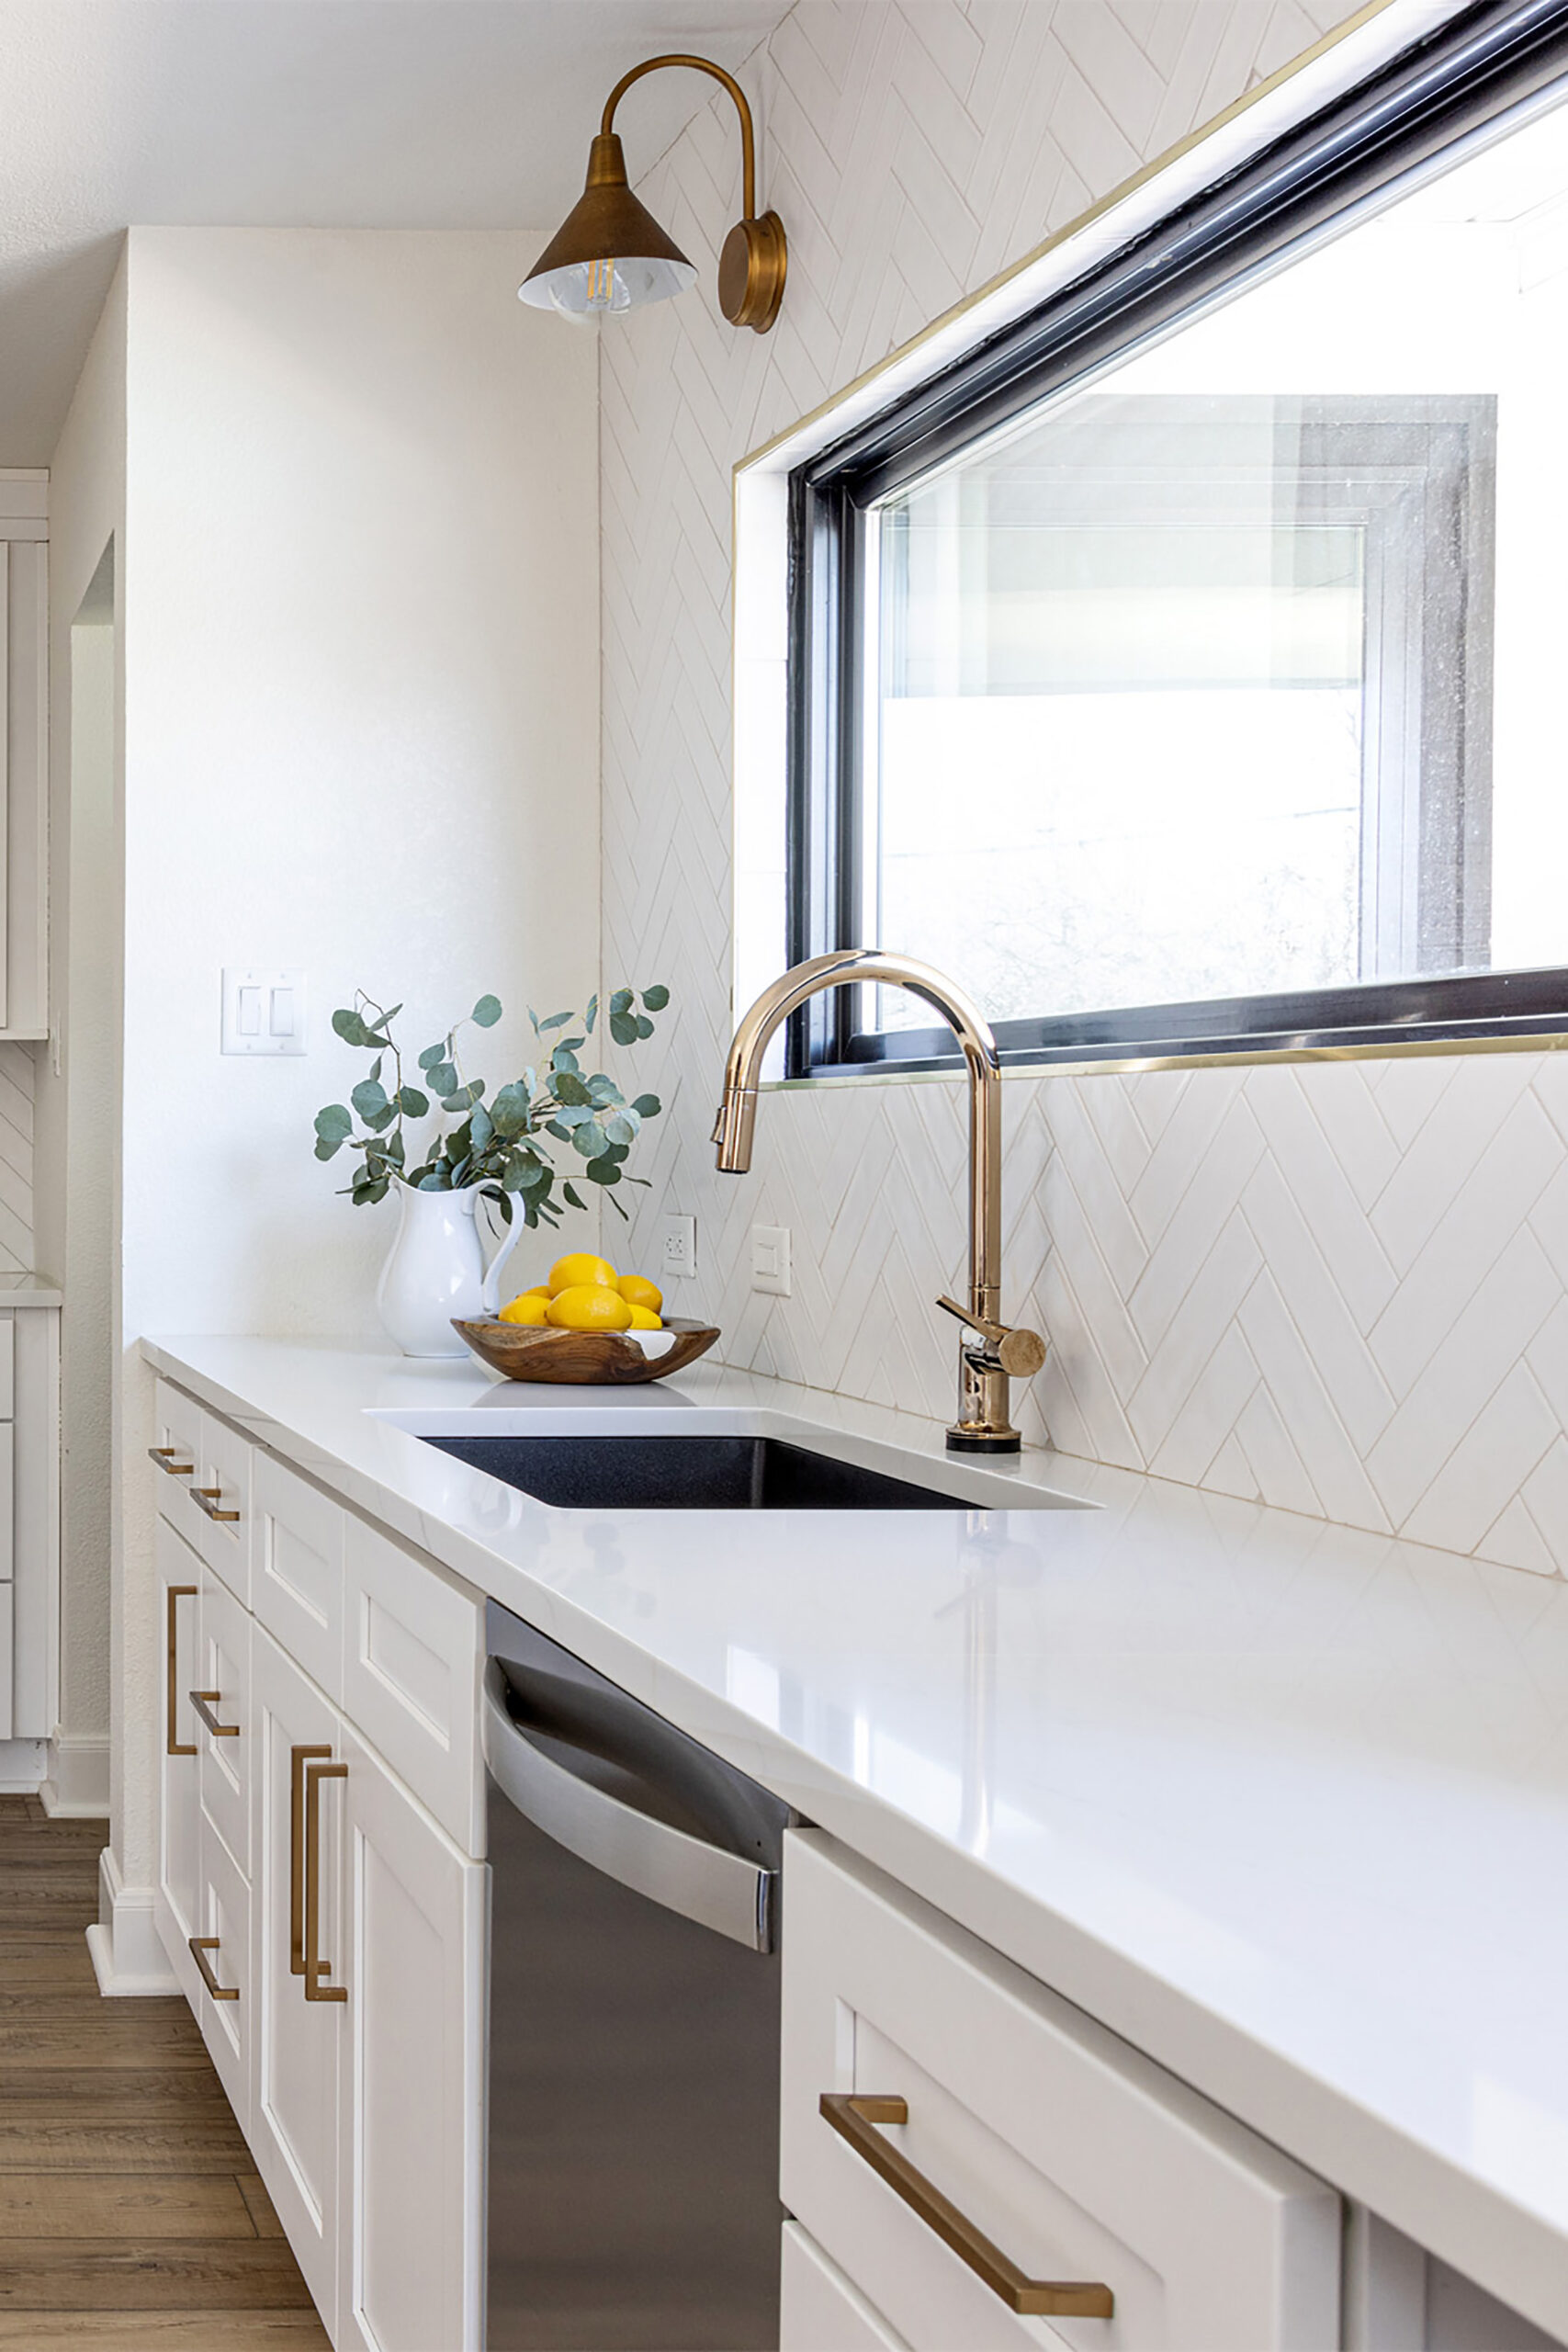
1233 669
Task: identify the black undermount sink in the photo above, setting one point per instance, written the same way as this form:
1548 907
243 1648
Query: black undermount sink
687 1474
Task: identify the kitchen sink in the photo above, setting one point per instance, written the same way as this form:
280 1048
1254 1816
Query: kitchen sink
706 1473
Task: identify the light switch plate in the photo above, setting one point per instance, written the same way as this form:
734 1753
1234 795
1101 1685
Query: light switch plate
678 1248
770 1260
264 1009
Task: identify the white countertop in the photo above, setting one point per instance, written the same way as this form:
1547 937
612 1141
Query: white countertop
1285 1804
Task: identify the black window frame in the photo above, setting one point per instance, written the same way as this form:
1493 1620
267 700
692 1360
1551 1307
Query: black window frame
1486 60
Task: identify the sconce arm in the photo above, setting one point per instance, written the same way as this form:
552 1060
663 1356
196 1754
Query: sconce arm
700 65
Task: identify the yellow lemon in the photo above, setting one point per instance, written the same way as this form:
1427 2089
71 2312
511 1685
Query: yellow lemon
643 1318
577 1268
539 1290
590 1306
638 1291
528 1308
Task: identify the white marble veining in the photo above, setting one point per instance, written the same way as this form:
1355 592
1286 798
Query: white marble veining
1283 1801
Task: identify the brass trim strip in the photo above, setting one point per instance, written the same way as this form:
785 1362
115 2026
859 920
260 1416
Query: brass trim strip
199 1948
204 1701
297 1761
315 1966
172 1747
163 1456
208 1498
854 2117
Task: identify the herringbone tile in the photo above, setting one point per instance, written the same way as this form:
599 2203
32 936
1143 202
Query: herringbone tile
1341 1290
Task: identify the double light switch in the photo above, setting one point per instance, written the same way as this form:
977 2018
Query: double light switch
264 1012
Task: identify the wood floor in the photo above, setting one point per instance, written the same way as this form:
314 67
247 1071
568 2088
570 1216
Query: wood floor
130 2213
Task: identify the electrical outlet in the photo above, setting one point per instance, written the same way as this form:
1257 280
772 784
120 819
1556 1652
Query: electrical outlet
678 1248
770 1260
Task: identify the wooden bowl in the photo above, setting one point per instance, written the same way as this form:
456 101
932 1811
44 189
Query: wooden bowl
580 1359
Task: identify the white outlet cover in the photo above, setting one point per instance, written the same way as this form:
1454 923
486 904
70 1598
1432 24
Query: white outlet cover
678 1248
264 1009
770 1260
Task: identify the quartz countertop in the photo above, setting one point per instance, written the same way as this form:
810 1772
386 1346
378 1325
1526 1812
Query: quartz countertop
1284 1803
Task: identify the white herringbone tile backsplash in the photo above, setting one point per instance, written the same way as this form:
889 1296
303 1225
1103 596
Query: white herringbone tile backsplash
1341 1289
16 1160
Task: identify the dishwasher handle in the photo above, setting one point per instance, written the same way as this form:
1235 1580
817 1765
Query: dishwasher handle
681 1874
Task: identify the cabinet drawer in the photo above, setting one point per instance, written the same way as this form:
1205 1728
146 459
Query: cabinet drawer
411 1668
296 1581
819 2310
222 1692
176 1445
222 2000
222 1505
1073 2155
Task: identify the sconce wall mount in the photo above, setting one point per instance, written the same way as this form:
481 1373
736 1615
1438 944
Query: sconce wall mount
611 254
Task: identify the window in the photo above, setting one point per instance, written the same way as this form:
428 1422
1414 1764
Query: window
1180 671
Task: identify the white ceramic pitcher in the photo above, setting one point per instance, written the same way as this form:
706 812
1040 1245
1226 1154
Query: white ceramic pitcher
435 1269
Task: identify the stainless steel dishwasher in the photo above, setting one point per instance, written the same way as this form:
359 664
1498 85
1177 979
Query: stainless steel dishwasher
634 2021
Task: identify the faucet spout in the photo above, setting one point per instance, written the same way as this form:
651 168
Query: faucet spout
983 1425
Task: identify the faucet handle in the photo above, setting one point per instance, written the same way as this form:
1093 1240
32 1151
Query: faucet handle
1016 1352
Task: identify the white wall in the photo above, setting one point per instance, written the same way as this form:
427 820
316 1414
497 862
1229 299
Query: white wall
1340 1289
359 599
77 1103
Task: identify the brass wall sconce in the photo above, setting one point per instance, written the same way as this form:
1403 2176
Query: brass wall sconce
610 253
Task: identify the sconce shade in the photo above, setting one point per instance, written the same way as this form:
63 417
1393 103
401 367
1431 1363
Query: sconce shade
609 254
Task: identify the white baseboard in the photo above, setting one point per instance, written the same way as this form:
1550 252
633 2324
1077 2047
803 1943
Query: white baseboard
77 1782
22 1766
129 1958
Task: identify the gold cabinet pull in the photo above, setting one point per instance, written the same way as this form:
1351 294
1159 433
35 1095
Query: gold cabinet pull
199 1948
204 1701
316 1968
208 1498
168 1459
172 1747
855 2116
298 1760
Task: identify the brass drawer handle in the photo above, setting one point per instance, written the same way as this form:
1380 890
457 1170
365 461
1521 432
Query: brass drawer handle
199 1948
855 2116
298 1758
316 1968
208 1498
165 1458
204 1701
172 1747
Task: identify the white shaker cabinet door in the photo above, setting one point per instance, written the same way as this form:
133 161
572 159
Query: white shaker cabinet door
178 1605
297 1846
819 2310
411 2186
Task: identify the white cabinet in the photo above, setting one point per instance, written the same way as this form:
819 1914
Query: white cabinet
179 1786
990 2168
412 2074
337 1966
24 752
297 1842
29 1519
819 2310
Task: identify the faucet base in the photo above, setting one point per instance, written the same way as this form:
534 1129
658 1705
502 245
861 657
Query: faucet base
1003 1441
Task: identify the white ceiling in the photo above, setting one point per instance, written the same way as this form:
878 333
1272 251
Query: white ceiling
436 114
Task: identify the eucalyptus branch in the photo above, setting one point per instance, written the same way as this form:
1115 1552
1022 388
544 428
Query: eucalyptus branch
497 1147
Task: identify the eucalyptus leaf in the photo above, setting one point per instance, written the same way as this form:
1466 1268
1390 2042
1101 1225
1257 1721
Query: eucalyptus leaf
592 1015
482 1128
564 1059
621 1127
555 1021
589 1139
335 1125
487 1013
604 1172
328 1146
350 1027
644 1025
411 1103
432 1056
443 1078
624 1028
511 1111
368 1098
571 1089
648 1106
656 999
375 1065
622 1001
573 1196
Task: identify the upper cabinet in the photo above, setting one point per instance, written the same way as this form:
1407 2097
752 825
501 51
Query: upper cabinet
24 752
